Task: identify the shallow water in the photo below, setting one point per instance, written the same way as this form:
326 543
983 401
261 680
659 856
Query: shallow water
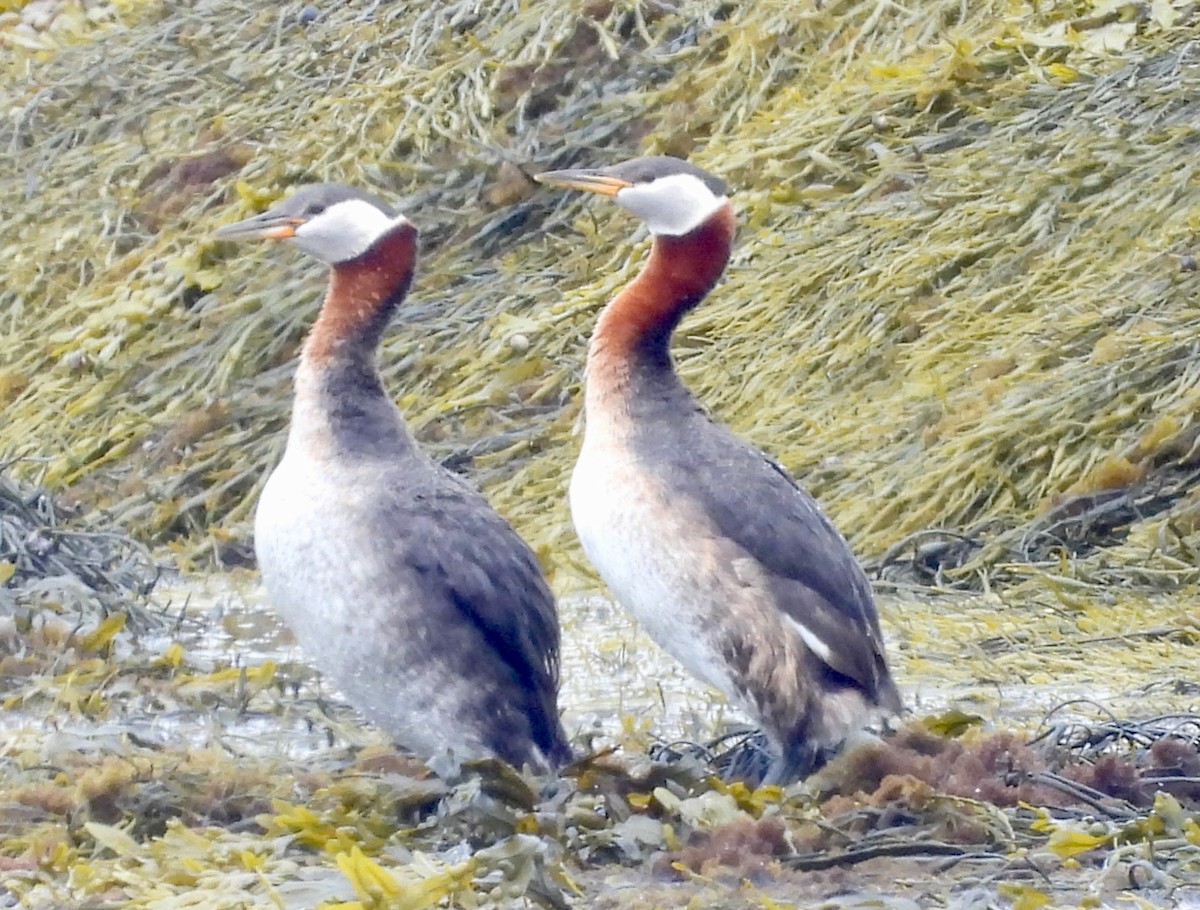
1013 664
1011 661
612 674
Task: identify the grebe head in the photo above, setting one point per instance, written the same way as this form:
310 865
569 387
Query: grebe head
329 221
671 196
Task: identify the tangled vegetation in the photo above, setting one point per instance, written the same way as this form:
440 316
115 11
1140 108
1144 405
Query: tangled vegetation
963 287
962 308
175 780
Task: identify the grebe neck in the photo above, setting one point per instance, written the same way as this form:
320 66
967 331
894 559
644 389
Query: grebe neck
340 402
630 348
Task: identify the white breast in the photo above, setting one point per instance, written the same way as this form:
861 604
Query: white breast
330 582
312 562
659 565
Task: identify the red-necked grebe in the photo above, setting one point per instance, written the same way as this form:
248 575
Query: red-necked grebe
397 578
729 565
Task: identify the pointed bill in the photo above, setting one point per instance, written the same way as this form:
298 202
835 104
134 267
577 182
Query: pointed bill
269 225
588 179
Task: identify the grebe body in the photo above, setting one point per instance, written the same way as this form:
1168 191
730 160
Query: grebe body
725 560
398 580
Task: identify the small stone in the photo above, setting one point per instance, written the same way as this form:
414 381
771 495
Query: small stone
74 361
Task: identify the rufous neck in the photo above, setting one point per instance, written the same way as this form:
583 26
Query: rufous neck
363 294
340 404
633 335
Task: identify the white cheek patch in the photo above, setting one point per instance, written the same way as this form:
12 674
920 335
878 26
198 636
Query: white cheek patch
344 231
673 205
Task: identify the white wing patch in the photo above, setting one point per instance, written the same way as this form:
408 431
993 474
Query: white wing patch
814 643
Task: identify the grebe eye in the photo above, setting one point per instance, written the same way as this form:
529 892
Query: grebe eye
314 208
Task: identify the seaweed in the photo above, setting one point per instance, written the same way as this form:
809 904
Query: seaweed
50 560
961 310
933 316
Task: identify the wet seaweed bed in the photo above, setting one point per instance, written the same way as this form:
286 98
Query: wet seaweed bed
962 309
934 314
158 753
